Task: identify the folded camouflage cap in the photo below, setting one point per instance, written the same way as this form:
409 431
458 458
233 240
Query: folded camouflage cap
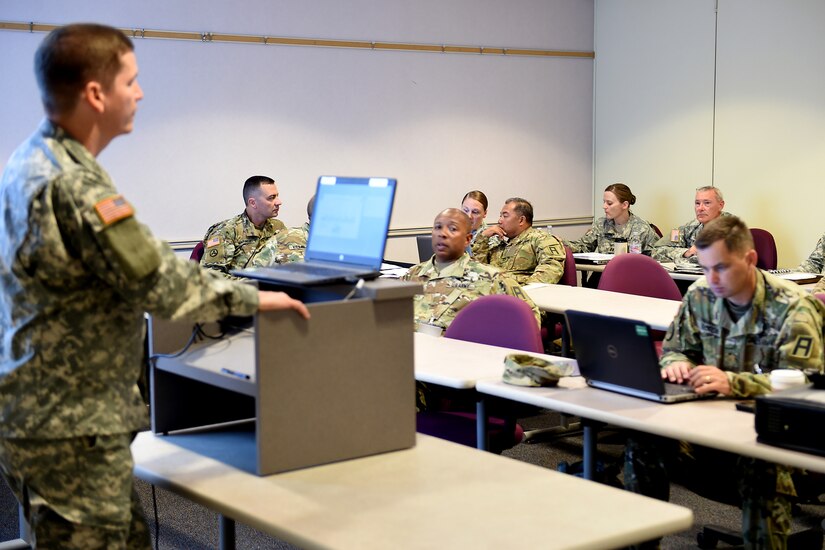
521 369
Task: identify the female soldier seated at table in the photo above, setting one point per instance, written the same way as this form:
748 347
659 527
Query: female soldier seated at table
618 222
474 204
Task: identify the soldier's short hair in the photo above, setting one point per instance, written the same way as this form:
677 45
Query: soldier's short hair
522 208
713 188
730 229
310 207
74 55
251 186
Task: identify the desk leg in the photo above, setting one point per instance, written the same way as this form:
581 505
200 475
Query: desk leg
591 432
481 424
226 533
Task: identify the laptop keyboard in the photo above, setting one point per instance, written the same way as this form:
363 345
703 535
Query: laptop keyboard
677 389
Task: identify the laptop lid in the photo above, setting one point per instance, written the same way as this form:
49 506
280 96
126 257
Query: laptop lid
347 233
350 221
618 354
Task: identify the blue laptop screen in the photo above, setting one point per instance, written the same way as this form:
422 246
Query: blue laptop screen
350 220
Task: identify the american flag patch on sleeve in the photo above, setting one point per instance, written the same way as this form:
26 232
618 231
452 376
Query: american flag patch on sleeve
113 209
214 241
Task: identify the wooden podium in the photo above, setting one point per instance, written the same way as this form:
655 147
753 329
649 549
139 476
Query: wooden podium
335 387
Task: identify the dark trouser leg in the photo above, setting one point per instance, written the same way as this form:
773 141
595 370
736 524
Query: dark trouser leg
766 513
645 471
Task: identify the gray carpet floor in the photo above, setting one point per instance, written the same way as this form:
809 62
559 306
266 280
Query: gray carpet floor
189 526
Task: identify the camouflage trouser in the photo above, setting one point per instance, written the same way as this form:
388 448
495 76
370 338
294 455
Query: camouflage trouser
760 488
76 493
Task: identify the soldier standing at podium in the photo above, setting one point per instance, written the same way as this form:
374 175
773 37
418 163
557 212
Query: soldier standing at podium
77 272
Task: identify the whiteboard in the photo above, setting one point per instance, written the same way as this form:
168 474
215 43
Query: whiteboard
442 124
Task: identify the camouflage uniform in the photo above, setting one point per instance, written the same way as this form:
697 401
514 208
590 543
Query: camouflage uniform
667 249
534 256
77 272
475 234
232 243
816 261
599 238
819 287
285 246
447 291
782 329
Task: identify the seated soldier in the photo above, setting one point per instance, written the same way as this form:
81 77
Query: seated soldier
286 246
452 279
528 254
231 244
734 327
678 246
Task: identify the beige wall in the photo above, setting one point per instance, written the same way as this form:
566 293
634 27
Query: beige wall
655 109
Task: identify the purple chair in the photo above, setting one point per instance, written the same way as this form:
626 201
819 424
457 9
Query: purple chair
640 275
656 230
765 245
497 320
643 276
569 277
197 252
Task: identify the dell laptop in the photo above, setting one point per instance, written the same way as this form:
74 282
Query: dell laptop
347 234
619 355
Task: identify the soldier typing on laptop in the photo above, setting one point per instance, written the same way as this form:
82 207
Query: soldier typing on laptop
734 326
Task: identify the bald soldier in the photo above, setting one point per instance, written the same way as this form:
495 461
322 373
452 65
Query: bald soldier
514 246
452 279
734 327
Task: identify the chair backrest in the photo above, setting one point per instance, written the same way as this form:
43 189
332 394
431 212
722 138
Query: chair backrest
425 247
569 277
656 229
197 252
765 245
498 320
640 275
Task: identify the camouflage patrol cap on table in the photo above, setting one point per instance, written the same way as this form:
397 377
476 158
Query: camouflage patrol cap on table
525 370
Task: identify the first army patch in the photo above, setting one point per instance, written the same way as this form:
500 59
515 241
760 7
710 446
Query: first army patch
113 209
803 347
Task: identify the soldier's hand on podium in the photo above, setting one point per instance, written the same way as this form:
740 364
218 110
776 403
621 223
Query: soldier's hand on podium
269 301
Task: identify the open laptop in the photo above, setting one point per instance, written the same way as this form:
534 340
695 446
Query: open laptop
347 234
619 355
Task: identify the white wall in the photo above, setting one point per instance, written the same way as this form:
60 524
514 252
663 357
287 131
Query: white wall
441 123
654 110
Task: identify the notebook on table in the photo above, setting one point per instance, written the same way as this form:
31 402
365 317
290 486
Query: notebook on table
347 234
597 258
619 355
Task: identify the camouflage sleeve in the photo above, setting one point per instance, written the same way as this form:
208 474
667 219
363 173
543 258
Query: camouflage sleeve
267 255
666 250
649 240
550 256
481 249
589 241
505 284
820 287
683 342
168 286
816 261
799 347
219 249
